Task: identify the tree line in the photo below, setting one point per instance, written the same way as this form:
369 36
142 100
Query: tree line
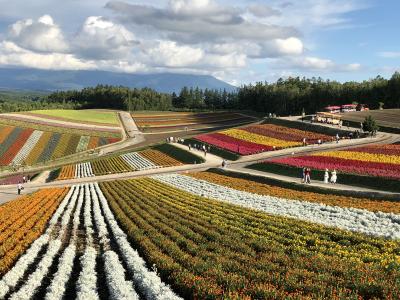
283 97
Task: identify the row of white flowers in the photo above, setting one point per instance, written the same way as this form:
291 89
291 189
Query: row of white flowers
147 281
35 279
86 285
12 277
138 162
57 287
352 219
115 272
28 146
89 200
83 170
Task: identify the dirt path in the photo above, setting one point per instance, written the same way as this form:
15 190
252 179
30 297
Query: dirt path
314 182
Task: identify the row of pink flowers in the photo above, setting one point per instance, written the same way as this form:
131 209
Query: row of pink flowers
343 165
232 144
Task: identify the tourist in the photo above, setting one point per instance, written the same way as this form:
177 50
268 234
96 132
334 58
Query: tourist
319 142
189 147
208 149
19 188
23 179
304 142
326 176
308 175
333 177
303 175
337 138
223 163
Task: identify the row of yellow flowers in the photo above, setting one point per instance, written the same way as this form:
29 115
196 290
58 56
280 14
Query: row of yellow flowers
259 139
362 156
159 158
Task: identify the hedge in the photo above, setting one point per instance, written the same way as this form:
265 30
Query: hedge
378 183
179 154
303 187
214 150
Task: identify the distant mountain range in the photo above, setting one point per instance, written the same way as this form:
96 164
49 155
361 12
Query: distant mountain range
49 80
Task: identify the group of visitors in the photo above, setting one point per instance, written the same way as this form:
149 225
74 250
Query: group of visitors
205 149
172 139
306 176
332 178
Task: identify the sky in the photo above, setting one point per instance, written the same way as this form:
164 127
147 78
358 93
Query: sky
238 41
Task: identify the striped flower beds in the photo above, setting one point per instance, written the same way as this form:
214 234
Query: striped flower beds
260 138
379 161
28 146
129 162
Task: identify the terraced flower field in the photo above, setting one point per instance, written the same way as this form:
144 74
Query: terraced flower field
129 162
182 121
260 138
31 145
205 236
374 160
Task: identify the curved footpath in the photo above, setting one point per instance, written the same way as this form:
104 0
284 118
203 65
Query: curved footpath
213 161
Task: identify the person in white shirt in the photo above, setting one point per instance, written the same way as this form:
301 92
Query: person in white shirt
333 177
326 176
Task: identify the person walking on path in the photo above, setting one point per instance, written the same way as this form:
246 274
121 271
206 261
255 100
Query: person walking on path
333 177
189 147
326 176
303 175
304 142
337 138
19 188
308 175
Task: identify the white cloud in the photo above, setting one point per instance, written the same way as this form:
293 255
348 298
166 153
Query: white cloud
102 39
389 54
14 55
170 54
310 63
262 10
42 35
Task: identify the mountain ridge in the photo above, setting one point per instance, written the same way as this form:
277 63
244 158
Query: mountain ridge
52 80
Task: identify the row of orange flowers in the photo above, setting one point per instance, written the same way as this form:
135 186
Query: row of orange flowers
23 220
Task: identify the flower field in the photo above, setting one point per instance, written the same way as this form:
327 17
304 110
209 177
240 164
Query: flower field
129 162
22 221
176 236
259 138
83 254
212 249
375 160
178 121
28 146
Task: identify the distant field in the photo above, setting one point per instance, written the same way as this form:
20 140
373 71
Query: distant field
95 116
387 117
179 121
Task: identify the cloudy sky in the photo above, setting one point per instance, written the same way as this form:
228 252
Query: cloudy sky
239 41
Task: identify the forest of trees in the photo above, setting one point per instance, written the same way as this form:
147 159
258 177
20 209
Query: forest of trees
284 97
